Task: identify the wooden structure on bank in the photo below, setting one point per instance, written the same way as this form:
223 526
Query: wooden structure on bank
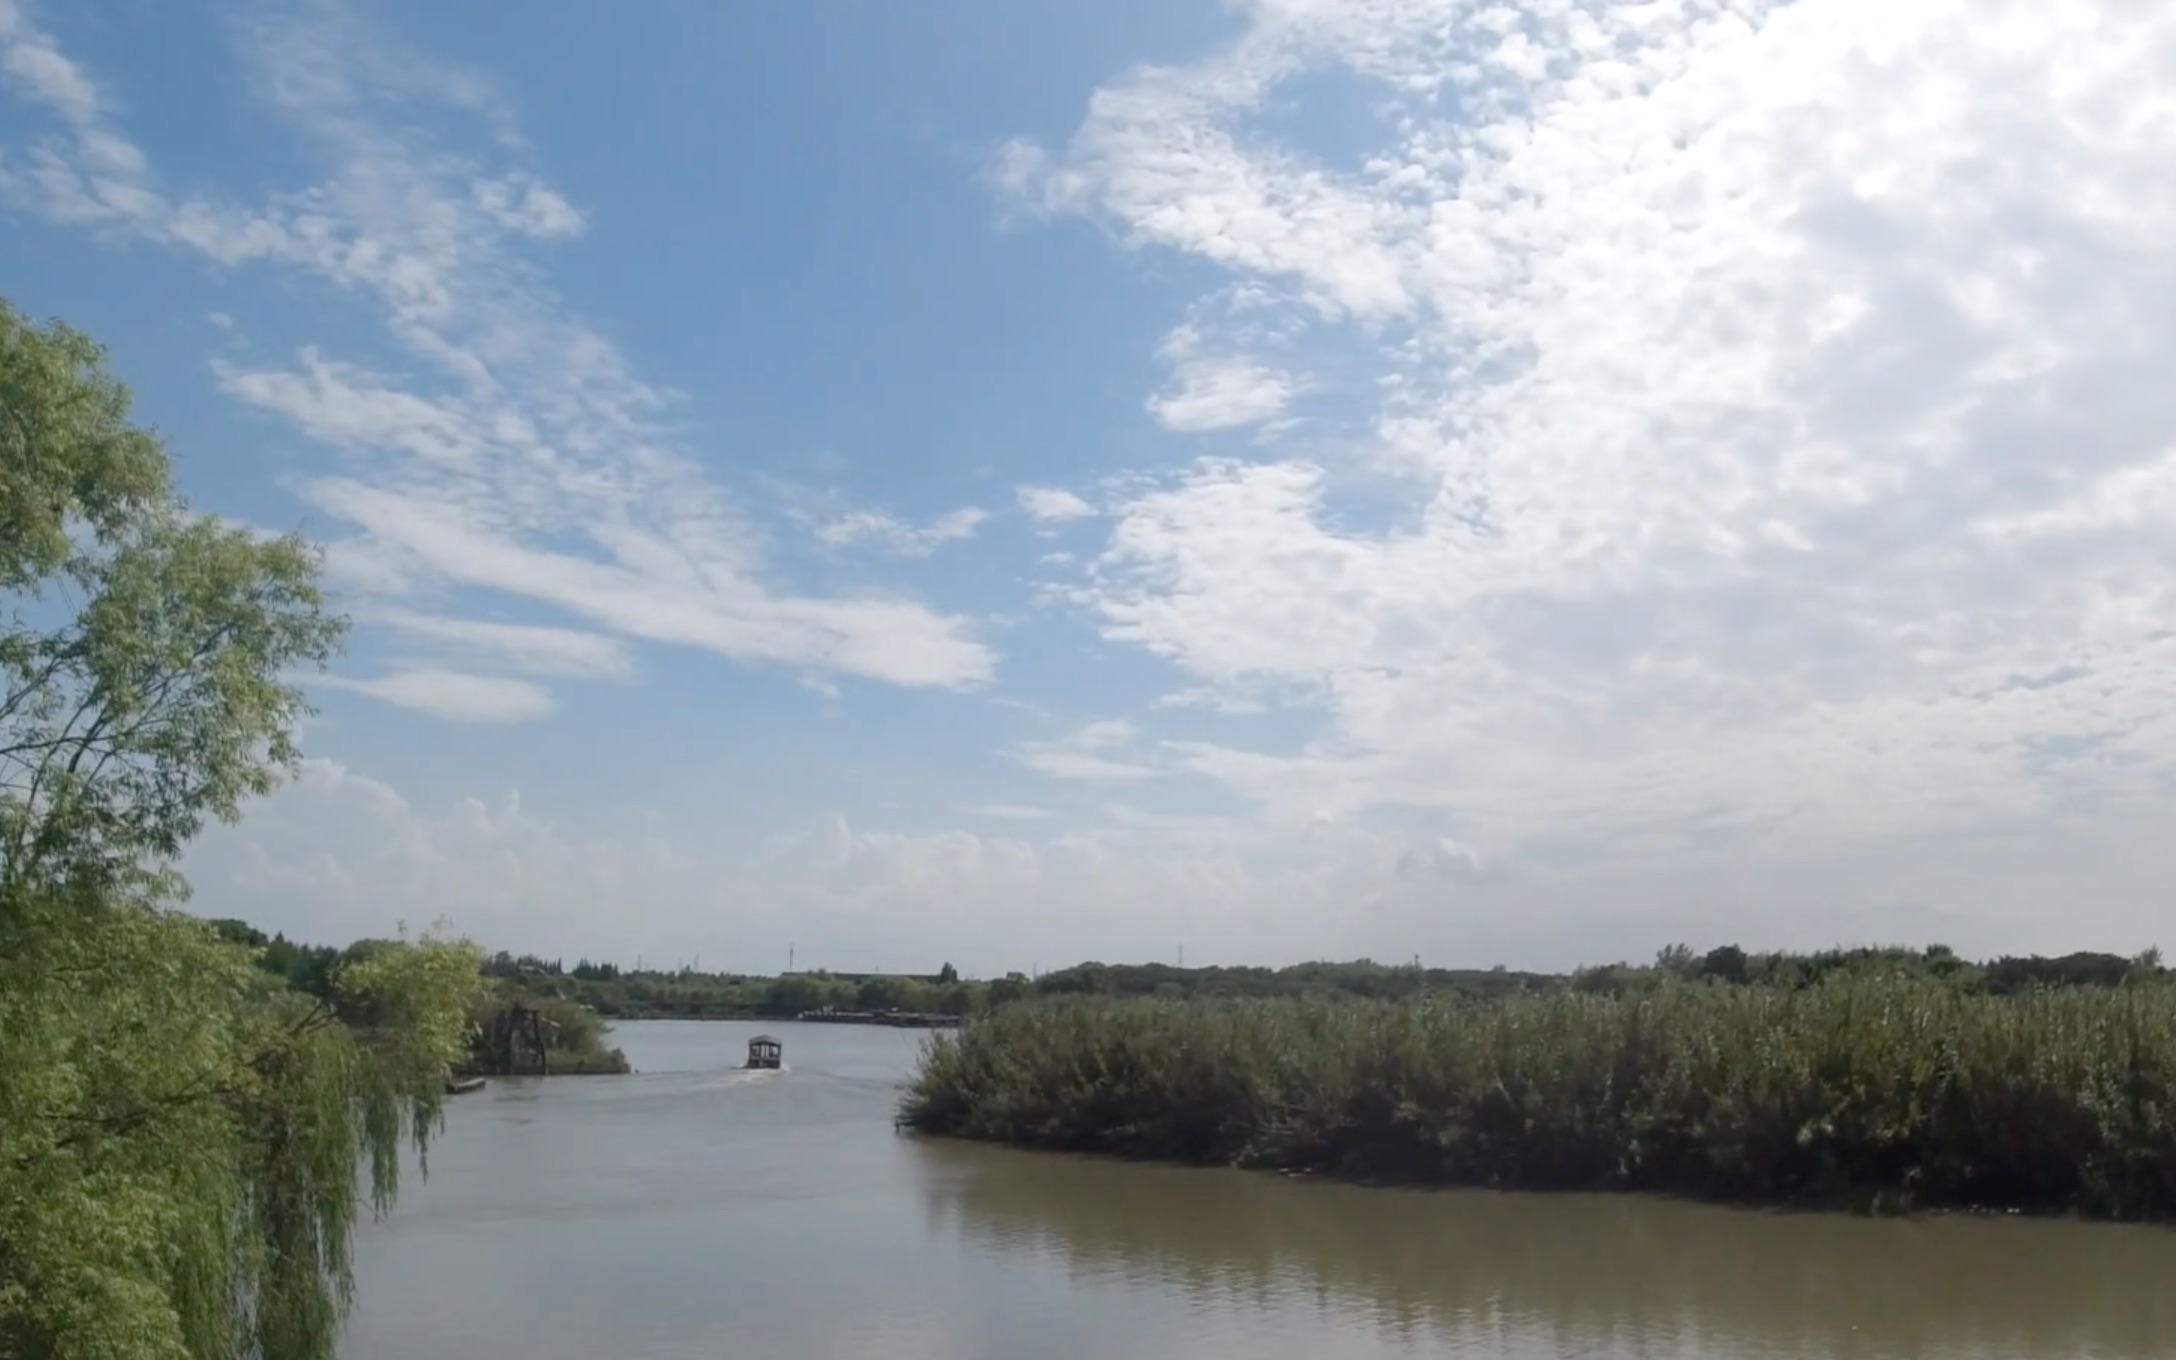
516 1039
764 1051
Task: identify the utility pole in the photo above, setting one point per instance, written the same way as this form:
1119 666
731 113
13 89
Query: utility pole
789 958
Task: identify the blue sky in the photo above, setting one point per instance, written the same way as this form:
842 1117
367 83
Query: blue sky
1020 483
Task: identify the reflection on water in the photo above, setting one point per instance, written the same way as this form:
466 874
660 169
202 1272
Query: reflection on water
1575 1275
694 1211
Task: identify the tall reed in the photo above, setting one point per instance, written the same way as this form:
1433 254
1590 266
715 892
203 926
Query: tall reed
1880 1090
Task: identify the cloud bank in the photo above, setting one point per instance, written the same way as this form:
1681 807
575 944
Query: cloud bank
1703 467
1753 409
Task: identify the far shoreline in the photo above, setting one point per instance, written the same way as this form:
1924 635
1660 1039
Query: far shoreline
873 1020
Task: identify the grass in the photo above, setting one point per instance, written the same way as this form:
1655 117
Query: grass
1880 1091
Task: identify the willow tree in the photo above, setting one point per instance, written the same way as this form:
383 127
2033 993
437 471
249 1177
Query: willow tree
184 1140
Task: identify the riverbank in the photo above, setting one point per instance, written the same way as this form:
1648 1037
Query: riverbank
895 1019
1880 1092
608 1063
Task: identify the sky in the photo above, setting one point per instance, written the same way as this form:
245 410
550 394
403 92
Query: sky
876 484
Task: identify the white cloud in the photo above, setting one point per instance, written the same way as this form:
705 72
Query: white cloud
517 450
874 528
1217 392
1159 159
353 409
452 695
1009 812
649 593
1104 733
1061 762
1053 504
92 175
1092 752
1766 442
1440 859
37 69
339 855
522 204
540 650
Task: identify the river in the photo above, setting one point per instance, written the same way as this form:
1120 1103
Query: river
695 1211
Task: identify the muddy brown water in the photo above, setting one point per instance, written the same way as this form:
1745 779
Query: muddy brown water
692 1210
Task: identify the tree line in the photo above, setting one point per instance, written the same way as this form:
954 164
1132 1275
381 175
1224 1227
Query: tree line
573 1031
685 993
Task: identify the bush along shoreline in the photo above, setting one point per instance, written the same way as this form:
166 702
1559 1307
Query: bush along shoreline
516 1033
1885 1093
511 1025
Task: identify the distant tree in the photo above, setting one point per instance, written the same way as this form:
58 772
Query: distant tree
1724 963
796 992
878 993
1943 962
948 975
1605 981
2010 974
1089 978
239 932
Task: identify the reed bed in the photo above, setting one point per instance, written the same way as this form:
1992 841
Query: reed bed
1882 1092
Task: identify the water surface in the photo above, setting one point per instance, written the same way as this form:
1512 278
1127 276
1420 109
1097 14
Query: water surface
692 1210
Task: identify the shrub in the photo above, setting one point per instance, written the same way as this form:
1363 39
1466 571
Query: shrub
1863 1087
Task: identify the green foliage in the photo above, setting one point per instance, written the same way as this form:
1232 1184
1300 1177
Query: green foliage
574 1033
144 651
67 452
2004 976
634 993
1361 977
1009 988
1868 1086
181 1132
625 993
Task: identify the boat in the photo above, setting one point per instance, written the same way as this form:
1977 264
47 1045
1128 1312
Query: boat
764 1051
461 1086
